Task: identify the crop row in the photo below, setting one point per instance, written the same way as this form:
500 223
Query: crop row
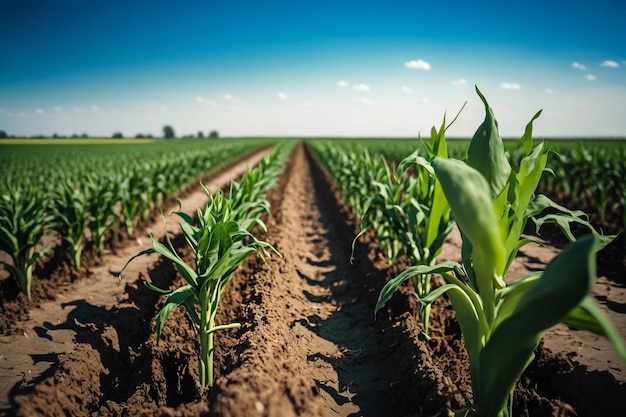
490 198
586 173
220 238
86 195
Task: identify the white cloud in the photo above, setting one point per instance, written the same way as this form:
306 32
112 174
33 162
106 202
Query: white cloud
590 77
549 91
343 84
425 100
365 101
361 87
419 65
94 108
460 81
511 86
57 108
281 96
39 111
578 66
407 90
610 64
228 97
200 99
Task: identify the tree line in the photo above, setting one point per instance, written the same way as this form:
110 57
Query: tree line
168 133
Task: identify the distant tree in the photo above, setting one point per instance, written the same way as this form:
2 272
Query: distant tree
214 134
117 135
149 135
168 132
55 136
75 136
139 136
3 134
200 134
84 136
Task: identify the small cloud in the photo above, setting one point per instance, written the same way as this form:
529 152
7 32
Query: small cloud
549 91
364 101
57 108
419 65
281 96
590 77
578 66
361 87
94 108
39 111
200 99
406 90
228 97
610 64
460 81
343 84
425 100
511 86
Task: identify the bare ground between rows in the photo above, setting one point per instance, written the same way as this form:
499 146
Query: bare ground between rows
36 332
308 344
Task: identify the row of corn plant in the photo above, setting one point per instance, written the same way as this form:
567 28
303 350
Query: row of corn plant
86 195
221 238
502 324
413 212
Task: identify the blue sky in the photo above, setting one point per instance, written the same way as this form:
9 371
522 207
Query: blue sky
351 68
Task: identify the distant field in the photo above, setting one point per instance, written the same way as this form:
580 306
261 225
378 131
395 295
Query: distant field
79 141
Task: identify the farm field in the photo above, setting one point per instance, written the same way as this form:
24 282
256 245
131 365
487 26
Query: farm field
308 343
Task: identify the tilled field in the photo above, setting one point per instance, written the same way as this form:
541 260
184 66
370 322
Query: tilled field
308 344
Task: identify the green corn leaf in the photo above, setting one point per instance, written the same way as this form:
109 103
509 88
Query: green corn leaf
156 289
173 300
588 316
392 285
469 197
526 140
563 285
185 270
486 152
142 253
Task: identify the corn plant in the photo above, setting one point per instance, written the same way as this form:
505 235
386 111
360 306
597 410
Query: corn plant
102 209
502 324
24 220
70 216
220 245
133 196
220 239
410 214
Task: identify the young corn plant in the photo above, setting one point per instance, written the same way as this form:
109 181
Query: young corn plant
220 244
502 324
70 216
101 207
415 215
24 220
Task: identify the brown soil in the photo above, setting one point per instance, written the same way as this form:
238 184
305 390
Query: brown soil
308 345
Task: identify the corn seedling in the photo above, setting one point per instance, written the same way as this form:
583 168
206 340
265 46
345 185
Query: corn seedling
23 222
220 239
416 211
502 324
70 215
